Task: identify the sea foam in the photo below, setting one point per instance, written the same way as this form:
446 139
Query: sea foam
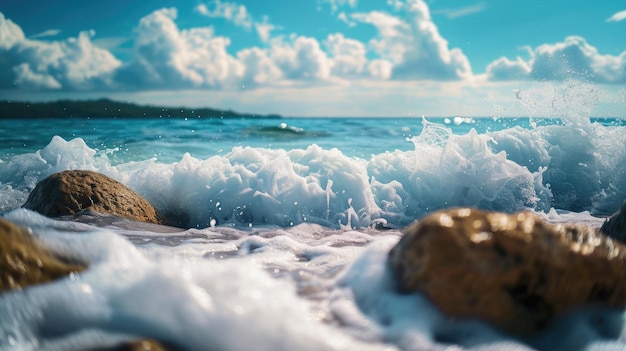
185 298
305 287
575 167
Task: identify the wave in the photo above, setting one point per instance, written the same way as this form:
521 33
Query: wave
283 131
572 167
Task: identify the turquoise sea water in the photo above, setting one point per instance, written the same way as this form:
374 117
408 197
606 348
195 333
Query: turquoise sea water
168 139
285 249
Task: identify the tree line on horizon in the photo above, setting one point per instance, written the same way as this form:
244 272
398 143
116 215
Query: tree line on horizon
106 108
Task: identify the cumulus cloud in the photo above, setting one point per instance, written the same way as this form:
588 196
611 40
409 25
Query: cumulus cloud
407 46
380 69
239 15
71 64
348 55
617 17
301 59
413 44
505 69
236 13
259 69
10 33
167 57
26 77
572 58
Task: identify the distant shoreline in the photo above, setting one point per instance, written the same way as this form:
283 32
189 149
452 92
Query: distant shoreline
106 108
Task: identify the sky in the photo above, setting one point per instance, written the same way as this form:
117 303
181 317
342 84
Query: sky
394 58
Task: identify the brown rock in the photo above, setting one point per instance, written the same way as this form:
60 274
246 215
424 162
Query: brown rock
70 192
615 226
139 345
514 271
23 261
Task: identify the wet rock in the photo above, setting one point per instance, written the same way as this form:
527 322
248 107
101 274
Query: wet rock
70 192
139 345
23 261
615 225
513 271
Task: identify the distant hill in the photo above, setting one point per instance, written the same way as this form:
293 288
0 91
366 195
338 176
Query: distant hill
105 108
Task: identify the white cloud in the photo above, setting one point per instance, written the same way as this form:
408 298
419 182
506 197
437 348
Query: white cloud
71 64
264 29
572 58
25 77
301 59
617 17
413 44
259 68
239 15
344 18
167 57
336 4
348 55
393 34
505 69
46 33
463 11
380 69
236 13
111 43
10 33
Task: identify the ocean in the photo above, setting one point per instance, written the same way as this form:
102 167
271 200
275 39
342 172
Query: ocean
288 225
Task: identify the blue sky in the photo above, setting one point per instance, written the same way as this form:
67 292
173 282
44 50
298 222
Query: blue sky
322 57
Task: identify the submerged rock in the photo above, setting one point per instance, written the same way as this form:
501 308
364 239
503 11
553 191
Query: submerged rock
615 225
23 261
70 192
512 270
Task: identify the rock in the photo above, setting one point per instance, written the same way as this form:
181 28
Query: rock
70 192
139 345
23 261
514 271
615 225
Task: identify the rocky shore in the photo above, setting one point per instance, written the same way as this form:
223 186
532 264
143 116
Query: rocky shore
514 271
24 261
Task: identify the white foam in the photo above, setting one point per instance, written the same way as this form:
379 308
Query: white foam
307 287
184 298
573 167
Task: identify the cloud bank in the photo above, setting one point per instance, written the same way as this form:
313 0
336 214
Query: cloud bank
74 63
572 58
406 46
